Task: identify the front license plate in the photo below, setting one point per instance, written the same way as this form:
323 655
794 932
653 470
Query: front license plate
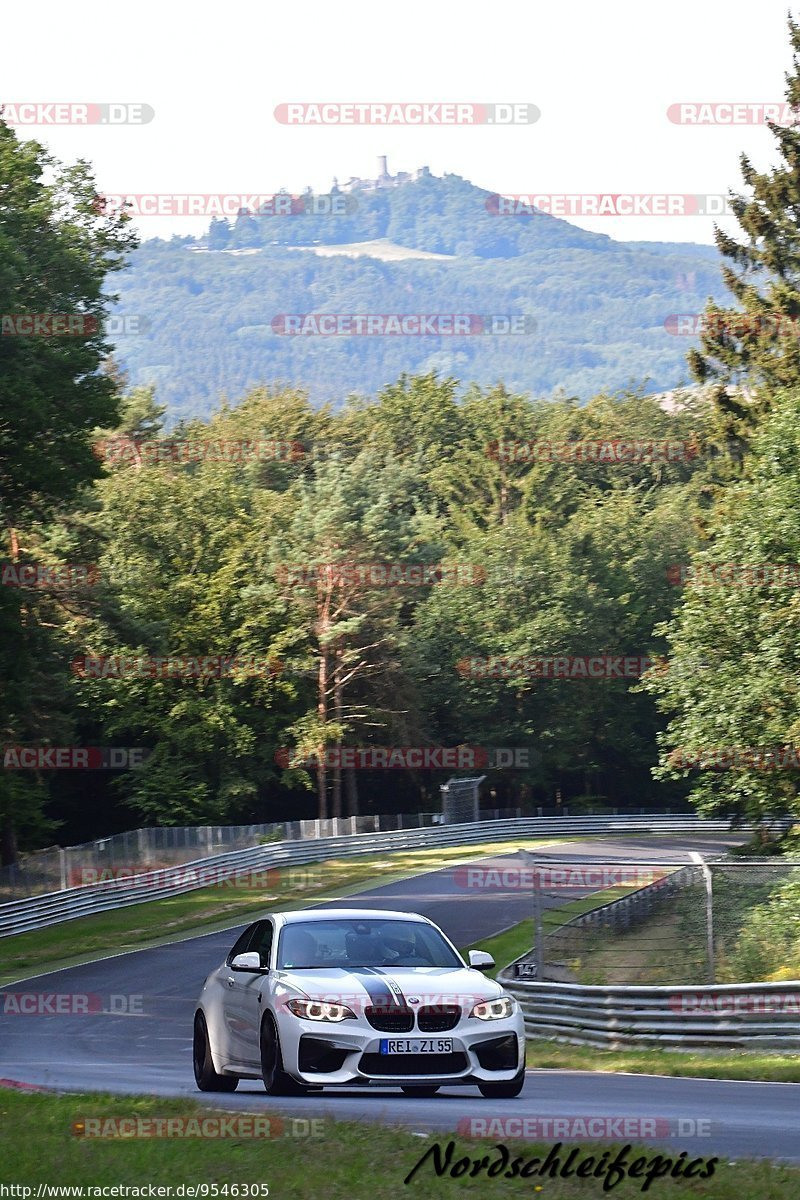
416 1045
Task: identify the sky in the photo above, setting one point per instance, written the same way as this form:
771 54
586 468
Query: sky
602 76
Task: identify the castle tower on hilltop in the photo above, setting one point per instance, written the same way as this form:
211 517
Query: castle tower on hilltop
384 179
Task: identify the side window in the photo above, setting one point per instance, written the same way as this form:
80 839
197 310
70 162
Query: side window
243 943
263 942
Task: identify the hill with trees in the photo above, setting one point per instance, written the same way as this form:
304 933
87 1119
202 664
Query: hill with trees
597 308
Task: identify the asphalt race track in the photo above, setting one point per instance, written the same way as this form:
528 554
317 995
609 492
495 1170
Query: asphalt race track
136 1036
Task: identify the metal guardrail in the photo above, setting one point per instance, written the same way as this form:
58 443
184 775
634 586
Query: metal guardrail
737 1015
679 1017
155 847
36 912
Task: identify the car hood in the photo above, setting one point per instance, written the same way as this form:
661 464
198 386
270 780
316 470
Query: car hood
391 986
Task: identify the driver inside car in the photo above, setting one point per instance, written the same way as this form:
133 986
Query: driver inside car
407 953
300 948
367 950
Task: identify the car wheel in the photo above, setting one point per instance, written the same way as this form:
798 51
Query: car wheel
421 1090
205 1076
276 1081
504 1091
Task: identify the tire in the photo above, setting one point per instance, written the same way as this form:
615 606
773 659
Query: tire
276 1080
504 1091
421 1090
205 1076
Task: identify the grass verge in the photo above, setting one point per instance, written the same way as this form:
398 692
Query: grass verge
695 1064
346 1161
509 945
224 906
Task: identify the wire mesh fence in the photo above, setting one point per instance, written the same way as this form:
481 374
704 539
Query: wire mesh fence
733 920
460 800
137 850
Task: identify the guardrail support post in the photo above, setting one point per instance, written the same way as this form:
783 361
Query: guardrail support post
538 924
701 862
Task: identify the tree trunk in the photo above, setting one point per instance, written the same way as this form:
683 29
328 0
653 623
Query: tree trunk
8 842
322 710
503 497
351 790
337 770
8 839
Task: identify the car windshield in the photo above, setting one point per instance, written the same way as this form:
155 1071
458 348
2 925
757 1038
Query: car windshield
367 943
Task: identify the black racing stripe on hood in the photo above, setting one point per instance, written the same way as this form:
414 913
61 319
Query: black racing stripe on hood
393 985
382 994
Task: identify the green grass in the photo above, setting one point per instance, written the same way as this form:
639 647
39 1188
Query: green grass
204 910
347 1161
509 945
657 951
697 1064
506 946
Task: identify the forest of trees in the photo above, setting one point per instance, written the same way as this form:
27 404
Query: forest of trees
249 534
211 557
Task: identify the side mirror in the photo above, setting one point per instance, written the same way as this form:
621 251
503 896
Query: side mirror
251 961
480 960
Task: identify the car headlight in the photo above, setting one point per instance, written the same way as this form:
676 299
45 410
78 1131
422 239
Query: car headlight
493 1010
320 1010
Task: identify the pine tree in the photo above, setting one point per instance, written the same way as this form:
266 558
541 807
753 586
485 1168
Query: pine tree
749 352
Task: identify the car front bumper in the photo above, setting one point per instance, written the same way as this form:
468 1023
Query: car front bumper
328 1055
